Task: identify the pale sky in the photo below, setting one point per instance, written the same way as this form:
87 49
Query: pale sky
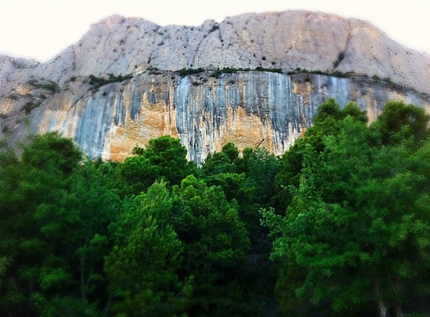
41 29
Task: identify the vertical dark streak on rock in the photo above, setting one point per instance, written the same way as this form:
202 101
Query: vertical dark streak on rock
135 103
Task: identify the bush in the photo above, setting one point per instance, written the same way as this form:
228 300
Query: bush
340 57
189 71
387 79
272 70
214 27
29 106
231 70
97 82
47 85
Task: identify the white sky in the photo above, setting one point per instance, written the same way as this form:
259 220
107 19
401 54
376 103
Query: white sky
41 29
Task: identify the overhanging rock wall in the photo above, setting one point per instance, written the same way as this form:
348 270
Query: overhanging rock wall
247 108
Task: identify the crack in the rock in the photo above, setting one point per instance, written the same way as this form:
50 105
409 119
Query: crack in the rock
348 39
194 61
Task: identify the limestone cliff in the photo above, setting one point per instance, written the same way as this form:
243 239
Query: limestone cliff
108 119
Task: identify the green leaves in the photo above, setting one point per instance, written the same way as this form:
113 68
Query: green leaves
346 209
211 224
399 123
58 204
163 159
358 207
215 242
141 267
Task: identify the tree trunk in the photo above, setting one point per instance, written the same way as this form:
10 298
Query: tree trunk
397 309
396 284
107 307
83 263
382 309
82 277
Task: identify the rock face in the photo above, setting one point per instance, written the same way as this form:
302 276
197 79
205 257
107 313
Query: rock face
107 119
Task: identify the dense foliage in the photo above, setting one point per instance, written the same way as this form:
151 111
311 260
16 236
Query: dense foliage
337 226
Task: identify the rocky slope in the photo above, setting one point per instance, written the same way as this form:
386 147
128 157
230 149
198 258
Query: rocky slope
108 115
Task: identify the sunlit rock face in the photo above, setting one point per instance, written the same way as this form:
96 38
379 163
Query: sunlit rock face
250 108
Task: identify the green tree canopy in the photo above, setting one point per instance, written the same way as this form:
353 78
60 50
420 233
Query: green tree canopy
164 158
215 243
55 224
221 162
356 223
400 122
326 122
142 265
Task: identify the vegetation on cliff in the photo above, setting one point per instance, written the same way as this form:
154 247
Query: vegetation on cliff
343 215
97 82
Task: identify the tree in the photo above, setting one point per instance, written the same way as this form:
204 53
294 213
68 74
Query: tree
133 176
262 167
75 227
221 162
326 122
399 122
54 233
38 178
320 231
169 157
356 223
143 262
163 158
8 162
215 243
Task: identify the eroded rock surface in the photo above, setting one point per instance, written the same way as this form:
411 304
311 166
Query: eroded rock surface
246 107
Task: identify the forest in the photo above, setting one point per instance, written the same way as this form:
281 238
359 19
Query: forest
339 225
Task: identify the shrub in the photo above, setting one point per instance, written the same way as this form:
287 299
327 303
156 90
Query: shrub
42 84
214 27
97 82
387 79
29 106
340 57
231 70
189 71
